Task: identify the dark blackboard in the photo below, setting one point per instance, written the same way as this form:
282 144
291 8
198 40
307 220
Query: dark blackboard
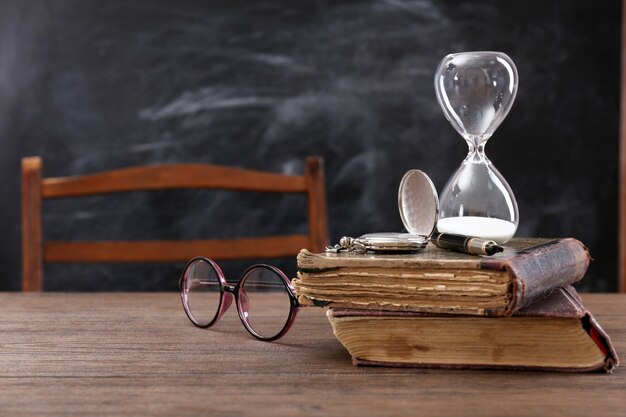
92 85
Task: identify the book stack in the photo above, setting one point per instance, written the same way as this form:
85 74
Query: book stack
438 308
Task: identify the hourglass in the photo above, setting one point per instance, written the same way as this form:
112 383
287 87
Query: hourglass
476 91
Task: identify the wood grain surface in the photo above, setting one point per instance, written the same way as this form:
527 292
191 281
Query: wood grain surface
137 354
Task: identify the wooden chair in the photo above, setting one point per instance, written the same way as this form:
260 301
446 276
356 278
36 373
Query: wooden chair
35 188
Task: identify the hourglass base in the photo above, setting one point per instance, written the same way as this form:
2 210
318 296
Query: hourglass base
484 227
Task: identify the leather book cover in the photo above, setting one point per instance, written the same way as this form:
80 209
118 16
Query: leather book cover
562 303
538 270
533 268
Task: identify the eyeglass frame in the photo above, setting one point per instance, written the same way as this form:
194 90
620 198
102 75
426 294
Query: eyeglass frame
235 293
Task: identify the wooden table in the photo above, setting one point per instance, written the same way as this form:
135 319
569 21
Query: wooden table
137 354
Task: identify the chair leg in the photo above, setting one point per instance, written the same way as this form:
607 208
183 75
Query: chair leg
32 245
316 190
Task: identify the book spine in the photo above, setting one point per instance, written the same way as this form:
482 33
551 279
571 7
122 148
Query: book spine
538 271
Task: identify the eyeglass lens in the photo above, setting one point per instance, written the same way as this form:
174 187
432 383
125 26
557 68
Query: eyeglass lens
202 286
265 301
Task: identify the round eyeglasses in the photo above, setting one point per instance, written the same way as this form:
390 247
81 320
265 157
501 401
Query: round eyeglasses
264 297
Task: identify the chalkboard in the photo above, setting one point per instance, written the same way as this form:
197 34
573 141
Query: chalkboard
93 85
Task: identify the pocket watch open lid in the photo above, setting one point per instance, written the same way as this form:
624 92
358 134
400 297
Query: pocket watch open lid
418 203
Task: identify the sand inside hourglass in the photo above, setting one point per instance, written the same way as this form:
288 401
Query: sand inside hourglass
487 228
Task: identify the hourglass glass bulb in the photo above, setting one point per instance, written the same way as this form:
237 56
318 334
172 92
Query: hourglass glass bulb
476 91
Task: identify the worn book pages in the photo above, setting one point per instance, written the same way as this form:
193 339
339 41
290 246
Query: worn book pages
557 333
442 281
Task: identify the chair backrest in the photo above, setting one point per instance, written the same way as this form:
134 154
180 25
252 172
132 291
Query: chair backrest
35 188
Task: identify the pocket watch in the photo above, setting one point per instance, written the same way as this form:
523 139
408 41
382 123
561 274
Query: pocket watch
419 210
381 242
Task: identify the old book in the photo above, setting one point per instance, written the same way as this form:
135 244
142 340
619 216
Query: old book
557 333
441 281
